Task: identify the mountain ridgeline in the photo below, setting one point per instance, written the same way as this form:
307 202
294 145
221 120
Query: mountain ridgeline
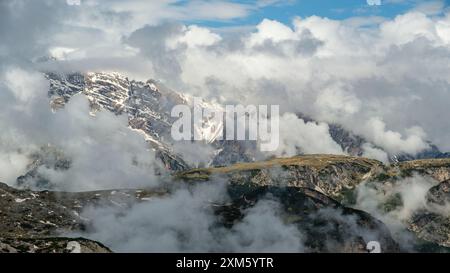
323 197
148 107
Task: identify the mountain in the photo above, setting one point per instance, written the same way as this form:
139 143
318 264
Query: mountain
434 225
43 216
353 144
148 106
315 193
29 222
332 175
338 178
327 226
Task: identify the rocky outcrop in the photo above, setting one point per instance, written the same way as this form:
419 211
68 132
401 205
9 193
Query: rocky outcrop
147 105
309 188
439 169
44 213
440 194
51 245
337 177
431 227
329 174
333 175
31 221
327 225
432 223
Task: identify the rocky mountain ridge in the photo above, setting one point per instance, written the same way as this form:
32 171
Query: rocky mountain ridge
329 174
34 221
338 177
317 193
312 190
148 106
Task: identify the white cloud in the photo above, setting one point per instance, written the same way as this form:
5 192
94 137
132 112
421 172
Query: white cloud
23 86
405 28
394 204
270 30
296 136
394 142
386 79
377 81
335 101
331 70
186 223
194 36
370 151
103 152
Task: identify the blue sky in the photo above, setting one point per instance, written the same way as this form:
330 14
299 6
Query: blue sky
285 11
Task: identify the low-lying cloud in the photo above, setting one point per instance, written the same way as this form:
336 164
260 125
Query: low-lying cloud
103 152
185 222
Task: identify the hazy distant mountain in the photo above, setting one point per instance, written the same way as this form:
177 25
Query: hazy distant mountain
148 105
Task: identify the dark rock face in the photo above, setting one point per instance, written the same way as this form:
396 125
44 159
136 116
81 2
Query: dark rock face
440 194
26 213
349 142
232 152
327 225
31 221
45 213
432 224
64 86
431 227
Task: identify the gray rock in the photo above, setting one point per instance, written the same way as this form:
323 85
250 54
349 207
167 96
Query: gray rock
440 194
327 225
51 245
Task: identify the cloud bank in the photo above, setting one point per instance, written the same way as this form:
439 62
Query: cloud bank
385 79
102 152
